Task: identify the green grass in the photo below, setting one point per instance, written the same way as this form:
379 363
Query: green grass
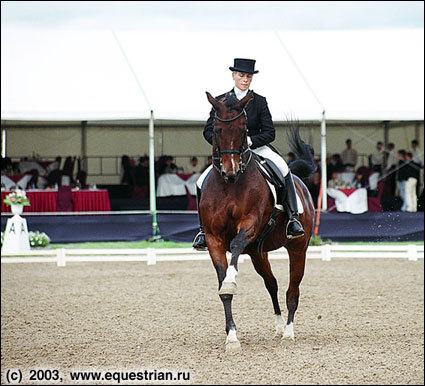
121 245
170 244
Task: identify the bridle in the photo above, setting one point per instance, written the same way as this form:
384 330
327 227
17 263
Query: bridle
244 149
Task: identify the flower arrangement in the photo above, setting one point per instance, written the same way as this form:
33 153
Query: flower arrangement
37 239
17 197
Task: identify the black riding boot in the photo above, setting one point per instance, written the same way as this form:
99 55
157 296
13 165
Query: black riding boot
199 242
293 228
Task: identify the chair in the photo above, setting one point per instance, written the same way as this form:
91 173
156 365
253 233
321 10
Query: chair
64 199
374 203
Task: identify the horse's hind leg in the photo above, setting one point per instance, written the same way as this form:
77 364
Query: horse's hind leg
296 273
263 268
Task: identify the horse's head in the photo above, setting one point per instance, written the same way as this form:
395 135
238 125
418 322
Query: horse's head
230 135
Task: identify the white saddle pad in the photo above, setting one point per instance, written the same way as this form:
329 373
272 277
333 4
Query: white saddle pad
273 190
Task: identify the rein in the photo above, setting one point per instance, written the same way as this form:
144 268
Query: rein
244 149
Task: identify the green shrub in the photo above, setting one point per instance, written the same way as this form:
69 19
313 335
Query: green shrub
317 240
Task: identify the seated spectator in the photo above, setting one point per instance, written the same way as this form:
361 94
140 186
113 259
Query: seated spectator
335 182
194 166
54 165
360 181
6 166
81 179
169 166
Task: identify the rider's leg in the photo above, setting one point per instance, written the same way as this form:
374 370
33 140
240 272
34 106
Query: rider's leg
285 196
199 242
293 228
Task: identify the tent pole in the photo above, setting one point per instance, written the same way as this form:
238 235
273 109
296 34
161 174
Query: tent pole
152 194
323 163
3 142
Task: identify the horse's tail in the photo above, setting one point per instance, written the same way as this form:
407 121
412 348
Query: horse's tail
304 165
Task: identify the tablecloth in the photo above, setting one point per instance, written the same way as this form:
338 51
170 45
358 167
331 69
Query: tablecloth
173 185
349 200
45 201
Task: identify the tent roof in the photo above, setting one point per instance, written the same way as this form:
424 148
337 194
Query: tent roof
83 75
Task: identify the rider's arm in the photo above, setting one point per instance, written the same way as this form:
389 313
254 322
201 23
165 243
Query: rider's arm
266 133
208 129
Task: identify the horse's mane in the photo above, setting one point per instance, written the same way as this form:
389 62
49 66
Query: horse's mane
231 102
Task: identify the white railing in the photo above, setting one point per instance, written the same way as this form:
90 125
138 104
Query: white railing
151 256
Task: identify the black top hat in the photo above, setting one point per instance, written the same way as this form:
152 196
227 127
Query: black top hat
244 65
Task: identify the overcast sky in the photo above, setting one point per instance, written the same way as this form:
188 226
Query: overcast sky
214 15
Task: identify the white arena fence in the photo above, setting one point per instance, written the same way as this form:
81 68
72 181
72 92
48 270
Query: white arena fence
151 256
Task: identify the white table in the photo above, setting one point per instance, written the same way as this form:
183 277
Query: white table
349 200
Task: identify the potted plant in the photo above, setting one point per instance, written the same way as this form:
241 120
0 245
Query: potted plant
17 200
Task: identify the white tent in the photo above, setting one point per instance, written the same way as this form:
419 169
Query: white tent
83 75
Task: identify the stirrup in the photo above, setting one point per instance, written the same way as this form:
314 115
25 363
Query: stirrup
300 232
199 242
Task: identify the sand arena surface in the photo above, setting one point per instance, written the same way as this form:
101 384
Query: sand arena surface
359 321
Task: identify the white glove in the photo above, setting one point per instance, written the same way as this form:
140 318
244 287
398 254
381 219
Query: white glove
249 141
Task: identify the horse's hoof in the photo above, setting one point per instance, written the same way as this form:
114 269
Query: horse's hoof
228 288
234 346
287 341
279 327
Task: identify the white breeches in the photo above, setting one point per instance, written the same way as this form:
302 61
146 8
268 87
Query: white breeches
410 194
263 151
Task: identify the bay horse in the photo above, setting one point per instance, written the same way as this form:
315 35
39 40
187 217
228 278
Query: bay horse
235 206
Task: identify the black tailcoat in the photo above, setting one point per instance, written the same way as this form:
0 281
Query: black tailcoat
260 125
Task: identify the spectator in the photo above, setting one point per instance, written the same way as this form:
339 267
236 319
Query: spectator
410 185
209 162
166 165
54 165
314 188
194 166
127 177
360 181
349 156
141 172
335 182
402 176
416 153
377 158
390 167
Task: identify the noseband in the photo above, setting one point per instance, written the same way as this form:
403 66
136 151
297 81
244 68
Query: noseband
244 149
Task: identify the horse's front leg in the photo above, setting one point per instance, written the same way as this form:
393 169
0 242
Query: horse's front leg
217 252
237 246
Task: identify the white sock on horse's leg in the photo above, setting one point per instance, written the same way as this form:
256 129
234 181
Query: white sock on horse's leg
231 274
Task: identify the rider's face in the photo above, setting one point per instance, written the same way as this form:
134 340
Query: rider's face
242 80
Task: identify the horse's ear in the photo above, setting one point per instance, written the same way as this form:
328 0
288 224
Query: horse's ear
213 101
244 101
